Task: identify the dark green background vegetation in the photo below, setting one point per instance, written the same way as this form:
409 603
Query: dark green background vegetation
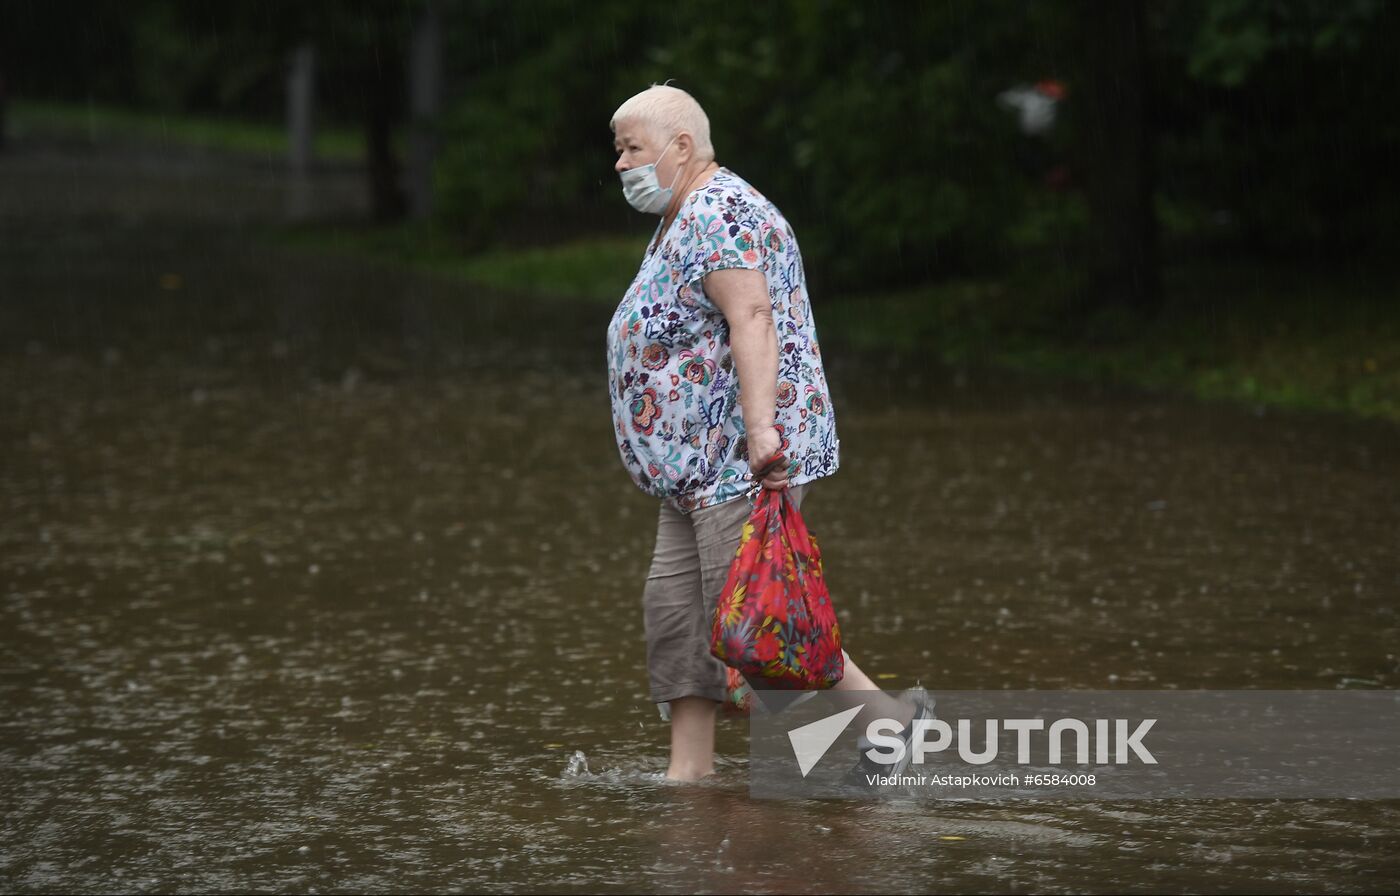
1212 212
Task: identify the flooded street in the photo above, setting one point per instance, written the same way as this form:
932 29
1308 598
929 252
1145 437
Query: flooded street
316 574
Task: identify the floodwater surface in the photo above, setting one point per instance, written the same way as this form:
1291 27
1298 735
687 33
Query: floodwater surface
318 573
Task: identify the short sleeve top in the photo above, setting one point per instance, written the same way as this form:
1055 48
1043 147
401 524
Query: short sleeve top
672 379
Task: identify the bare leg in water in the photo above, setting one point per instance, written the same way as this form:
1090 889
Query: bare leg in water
693 721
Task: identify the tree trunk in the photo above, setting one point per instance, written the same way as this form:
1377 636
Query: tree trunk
1108 99
4 102
383 102
425 91
301 116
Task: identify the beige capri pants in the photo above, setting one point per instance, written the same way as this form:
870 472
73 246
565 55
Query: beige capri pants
688 568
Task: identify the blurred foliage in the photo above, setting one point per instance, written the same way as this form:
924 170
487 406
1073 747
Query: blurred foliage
1270 124
875 127
1234 37
875 130
525 147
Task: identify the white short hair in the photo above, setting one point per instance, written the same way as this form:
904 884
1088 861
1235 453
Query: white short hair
665 111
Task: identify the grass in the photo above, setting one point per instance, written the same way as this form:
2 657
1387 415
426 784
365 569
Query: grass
596 269
105 124
1246 332
1262 335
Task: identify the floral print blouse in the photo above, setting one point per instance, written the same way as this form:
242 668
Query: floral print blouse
672 379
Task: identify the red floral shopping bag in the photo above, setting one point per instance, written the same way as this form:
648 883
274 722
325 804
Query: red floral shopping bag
738 696
774 621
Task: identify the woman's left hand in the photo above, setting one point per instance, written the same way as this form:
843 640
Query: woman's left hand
766 463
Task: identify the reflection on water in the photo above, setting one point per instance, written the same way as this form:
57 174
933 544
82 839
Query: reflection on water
318 576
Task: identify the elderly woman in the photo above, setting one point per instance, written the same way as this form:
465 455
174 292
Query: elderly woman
717 390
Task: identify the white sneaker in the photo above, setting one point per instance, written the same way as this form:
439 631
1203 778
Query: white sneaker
865 767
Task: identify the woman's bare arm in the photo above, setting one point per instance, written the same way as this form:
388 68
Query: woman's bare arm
741 294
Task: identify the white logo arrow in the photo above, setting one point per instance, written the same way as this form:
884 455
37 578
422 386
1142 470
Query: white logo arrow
810 742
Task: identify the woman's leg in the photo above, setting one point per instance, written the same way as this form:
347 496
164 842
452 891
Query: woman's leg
855 687
679 666
692 738
716 531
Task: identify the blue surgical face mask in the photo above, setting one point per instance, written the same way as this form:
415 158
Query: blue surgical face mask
642 189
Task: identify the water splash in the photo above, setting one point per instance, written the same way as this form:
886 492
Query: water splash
578 765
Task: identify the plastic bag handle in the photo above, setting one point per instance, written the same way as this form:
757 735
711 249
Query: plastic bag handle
768 466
